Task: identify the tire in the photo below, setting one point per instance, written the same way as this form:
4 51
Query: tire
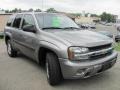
53 70
11 52
116 40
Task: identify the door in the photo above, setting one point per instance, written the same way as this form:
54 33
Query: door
16 32
29 40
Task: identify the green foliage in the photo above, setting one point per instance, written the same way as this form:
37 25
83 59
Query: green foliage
106 17
94 15
75 14
15 10
117 46
51 10
38 10
30 10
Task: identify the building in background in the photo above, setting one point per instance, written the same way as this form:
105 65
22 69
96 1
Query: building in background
89 19
2 12
3 19
86 18
83 18
118 19
83 13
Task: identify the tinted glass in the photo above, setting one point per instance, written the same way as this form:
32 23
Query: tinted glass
28 20
55 20
17 21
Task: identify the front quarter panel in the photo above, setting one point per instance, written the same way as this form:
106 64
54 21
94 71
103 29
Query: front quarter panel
60 52
8 32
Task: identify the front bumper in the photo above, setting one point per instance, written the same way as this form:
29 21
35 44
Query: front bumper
117 38
77 69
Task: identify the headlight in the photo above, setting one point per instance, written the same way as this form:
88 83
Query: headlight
75 53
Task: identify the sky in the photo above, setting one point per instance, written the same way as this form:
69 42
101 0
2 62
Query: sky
75 6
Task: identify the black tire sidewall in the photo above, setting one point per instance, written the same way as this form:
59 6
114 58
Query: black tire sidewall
55 75
13 52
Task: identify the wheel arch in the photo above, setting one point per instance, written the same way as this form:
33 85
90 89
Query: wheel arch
42 54
7 37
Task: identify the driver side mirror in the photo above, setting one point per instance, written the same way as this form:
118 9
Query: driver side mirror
29 28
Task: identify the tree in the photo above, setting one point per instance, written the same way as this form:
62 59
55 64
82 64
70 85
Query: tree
14 10
19 10
94 15
30 10
38 10
106 17
76 14
51 10
7 11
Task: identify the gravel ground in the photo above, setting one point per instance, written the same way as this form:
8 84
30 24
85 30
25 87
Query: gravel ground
22 73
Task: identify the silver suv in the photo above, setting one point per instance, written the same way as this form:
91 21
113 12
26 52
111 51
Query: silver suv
54 40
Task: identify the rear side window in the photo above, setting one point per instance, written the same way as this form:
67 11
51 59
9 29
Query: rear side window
17 21
9 22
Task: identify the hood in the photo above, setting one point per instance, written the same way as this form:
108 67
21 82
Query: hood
82 37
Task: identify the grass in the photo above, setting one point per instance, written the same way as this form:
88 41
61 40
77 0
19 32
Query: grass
117 46
1 39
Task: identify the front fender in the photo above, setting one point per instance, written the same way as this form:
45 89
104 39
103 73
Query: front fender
7 34
60 52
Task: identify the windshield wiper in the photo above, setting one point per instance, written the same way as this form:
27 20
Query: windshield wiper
52 28
71 28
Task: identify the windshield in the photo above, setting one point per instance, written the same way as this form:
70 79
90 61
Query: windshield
55 21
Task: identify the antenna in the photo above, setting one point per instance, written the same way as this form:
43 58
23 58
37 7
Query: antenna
42 5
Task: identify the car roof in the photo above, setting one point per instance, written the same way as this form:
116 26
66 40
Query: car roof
38 13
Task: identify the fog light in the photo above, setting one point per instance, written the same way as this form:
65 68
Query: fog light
81 72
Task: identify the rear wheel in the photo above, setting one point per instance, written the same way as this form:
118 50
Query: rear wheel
53 70
11 52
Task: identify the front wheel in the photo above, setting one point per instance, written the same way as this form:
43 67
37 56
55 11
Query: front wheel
11 52
53 70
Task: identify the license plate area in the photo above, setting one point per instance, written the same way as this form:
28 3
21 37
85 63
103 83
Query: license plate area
107 65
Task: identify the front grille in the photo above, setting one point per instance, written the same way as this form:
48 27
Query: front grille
97 48
100 56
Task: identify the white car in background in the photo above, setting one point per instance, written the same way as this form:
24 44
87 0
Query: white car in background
117 25
88 25
109 24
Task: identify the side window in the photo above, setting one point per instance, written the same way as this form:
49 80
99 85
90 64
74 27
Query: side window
28 20
17 21
9 22
40 19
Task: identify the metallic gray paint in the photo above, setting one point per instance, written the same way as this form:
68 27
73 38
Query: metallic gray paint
58 41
